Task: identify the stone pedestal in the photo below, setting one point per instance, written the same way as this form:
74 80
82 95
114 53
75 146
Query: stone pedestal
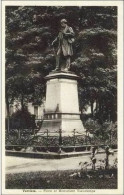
62 105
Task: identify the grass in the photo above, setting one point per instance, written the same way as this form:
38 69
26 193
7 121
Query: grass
58 180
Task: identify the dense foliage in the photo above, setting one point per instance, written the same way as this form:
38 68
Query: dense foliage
22 119
30 56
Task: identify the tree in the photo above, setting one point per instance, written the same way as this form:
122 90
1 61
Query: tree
30 57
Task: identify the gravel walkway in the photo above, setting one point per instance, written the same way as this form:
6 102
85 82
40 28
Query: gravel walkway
21 165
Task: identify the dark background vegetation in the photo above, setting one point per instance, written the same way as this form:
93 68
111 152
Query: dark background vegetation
30 57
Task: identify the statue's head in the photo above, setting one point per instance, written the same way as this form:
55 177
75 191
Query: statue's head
63 22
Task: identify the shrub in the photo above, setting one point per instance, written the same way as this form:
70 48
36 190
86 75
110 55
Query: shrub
22 119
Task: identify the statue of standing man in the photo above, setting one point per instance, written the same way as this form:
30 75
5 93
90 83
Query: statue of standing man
64 39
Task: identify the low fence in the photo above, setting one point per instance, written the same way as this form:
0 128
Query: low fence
85 148
53 141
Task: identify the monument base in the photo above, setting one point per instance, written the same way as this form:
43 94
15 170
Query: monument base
67 125
62 105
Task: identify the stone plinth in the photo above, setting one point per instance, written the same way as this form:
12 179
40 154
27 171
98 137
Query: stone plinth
62 105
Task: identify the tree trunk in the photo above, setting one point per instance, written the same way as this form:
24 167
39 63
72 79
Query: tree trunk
7 113
92 108
22 102
7 105
97 106
100 106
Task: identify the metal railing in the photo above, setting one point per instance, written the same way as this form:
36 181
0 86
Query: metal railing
51 141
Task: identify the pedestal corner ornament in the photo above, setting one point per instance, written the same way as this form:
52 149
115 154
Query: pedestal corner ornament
62 104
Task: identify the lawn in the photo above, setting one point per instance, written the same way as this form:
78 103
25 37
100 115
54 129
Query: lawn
59 180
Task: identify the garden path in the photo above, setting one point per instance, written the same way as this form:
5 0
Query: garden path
21 165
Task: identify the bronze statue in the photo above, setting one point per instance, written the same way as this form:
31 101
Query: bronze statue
64 39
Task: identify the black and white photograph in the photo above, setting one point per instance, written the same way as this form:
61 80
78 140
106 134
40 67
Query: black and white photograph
62 72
